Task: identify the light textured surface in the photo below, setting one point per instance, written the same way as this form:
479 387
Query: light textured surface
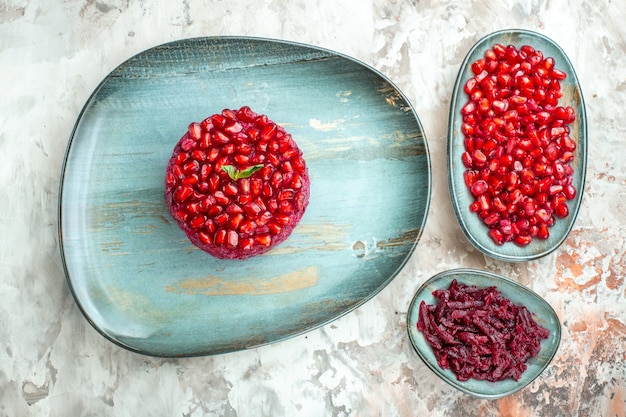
54 53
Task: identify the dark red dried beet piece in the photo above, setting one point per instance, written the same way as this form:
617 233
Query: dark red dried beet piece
477 333
426 326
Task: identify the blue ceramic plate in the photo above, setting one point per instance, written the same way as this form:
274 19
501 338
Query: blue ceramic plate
132 271
472 226
518 294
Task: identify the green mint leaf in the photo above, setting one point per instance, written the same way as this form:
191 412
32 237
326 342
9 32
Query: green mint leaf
249 171
231 171
235 174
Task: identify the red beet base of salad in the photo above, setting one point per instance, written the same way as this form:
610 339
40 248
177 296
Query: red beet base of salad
237 184
477 333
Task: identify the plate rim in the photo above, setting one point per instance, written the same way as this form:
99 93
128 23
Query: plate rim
583 156
206 352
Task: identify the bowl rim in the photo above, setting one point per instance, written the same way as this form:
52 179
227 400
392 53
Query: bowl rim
582 156
413 311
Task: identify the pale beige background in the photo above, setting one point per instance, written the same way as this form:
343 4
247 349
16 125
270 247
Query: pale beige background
53 53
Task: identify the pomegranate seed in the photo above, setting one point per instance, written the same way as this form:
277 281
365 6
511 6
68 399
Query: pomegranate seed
500 106
483 202
530 207
267 191
285 207
561 210
256 185
276 180
266 172
205 238
518 151
469 177
264 218
205 140
233 208
194 131
269 132
543 214
499 205
242 160
558 74
569 191
491 219
230 189
479 187
479 158
182 193
555 189
522 224
232 239
227 149
220 237
198 155
191 167
233 128
478 66
220 138
205 171
221 219
496 236
247 226
274 228
499 50
261 203
197 222
522 240
264 240
283 219
220 198
252 209
181 158
467 160
246 244
543 232
469 108
286 194
170 180
469 86
506 227
194 208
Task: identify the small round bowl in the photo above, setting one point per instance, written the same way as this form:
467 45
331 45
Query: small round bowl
518 294
473 227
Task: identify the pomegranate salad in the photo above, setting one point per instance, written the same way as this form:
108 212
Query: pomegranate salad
518 148
478 333
237 184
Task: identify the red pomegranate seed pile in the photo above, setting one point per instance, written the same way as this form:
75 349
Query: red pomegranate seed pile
478 333
237 184
518 148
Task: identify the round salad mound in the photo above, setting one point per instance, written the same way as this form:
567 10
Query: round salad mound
237 184
478 333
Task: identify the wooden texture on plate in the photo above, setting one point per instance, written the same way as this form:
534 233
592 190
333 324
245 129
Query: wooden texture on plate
474 229
134 274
